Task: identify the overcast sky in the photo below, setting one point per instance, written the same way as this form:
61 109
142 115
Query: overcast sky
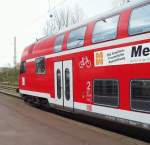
25 18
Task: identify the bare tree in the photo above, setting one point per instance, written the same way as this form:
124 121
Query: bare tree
62 18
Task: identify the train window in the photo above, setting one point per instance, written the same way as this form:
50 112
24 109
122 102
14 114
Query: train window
140 20
106 92
105 29
58 84
58 43
40 65
67 84
140 95
76 38
23 67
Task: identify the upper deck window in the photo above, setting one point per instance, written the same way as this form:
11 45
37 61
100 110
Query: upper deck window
140 20
105 29
40 65
59 42
76 38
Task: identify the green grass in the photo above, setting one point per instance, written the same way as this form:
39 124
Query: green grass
9 76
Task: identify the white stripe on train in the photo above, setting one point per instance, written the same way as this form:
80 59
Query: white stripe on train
96 46
123 114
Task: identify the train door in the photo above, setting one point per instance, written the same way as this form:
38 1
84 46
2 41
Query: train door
58 83
64 83
68 83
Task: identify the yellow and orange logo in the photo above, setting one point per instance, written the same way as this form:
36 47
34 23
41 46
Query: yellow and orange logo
98 58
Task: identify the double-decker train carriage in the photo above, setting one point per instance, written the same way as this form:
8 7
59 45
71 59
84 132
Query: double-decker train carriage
99 68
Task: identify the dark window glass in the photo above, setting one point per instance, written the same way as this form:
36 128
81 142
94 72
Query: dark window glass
140 95
76 38
67 84
140 20
58 84
40 65
58 43
105 29
23 67
106 92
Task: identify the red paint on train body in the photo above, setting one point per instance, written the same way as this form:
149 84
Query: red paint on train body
84 69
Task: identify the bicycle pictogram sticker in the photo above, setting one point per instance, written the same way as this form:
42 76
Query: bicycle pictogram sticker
85 62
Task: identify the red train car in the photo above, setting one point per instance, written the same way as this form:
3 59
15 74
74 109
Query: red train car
100 68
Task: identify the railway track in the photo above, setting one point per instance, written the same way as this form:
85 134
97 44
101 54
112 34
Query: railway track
9 90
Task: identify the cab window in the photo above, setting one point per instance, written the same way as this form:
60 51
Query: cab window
23 67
